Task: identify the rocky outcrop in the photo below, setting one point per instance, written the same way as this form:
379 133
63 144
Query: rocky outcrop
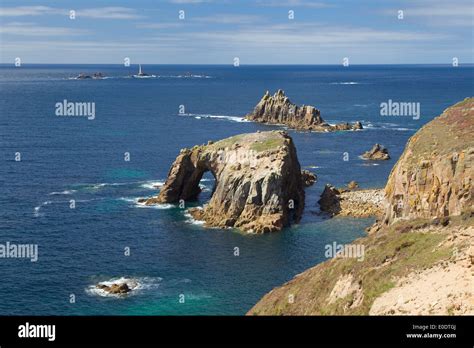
329 201
258 188
377 153
419 259
308 178
115 289
356 203
434 176
352 185
278 109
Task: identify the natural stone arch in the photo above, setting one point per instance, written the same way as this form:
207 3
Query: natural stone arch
257 175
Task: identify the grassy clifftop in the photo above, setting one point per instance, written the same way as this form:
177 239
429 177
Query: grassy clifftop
420 259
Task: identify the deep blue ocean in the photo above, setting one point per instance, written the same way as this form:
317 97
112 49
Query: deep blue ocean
73 158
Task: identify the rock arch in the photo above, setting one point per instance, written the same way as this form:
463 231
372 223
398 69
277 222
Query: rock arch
259 187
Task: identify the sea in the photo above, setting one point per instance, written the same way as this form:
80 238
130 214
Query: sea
70 184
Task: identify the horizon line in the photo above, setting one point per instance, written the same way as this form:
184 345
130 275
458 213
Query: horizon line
230 64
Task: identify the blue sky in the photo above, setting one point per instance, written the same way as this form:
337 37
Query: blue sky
257 32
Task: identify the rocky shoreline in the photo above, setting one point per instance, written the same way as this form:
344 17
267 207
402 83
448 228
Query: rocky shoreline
355 202
279 110
418 258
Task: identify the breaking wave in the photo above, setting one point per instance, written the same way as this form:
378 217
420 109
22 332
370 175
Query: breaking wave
222 117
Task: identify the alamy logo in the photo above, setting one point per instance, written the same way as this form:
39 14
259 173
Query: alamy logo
37 331
335 250
393 108
26 251
86 109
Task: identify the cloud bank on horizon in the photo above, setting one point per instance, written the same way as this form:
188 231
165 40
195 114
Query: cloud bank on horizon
257 31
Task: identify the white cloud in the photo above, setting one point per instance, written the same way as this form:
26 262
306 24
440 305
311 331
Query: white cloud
228 18
108 13
99 12
31 29
293 3
309 34
163 25
439 13
190 2
29 11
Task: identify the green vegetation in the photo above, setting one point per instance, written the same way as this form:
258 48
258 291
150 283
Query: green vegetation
228 142
451 133
267 144
389 255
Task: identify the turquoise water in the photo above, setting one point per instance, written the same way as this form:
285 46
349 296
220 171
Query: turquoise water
74 158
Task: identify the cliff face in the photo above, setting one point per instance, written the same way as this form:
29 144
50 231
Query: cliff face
259 186
434 176
419 261
278 109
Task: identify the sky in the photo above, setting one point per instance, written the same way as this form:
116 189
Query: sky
256 32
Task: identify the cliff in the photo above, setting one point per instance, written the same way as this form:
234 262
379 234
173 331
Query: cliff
434 175
278 109
419 259
259 183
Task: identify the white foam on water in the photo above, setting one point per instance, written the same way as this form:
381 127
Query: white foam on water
193 76
128 199
135 284
155 206
368 162
386 125
159 206
137 204
152 185
36 210
100 185
346 83
65 192
190 76
207 179
37 213
223 117
191 220
197 297
204 188
144 77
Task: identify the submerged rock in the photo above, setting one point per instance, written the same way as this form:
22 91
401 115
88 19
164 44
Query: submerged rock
278 109
258 182
377 153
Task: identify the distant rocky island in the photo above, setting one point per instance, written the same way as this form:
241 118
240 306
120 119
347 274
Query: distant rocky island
279 110
259 183
418 257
